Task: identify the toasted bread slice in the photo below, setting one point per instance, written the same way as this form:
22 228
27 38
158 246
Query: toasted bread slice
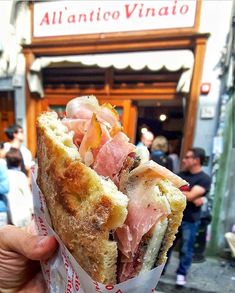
177 202
84 207
157 184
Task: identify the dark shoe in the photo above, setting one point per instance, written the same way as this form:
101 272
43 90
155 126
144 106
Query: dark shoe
232 263
198 258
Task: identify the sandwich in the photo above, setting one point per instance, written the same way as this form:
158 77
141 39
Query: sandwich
116 212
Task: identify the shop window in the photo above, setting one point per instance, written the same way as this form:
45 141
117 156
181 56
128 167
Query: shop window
96 78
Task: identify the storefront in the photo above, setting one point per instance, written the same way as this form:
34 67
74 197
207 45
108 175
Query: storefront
145 57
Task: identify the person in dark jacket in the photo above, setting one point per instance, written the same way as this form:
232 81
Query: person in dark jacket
196 192
158 152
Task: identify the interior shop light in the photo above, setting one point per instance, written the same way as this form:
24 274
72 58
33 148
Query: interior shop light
162 117
143 130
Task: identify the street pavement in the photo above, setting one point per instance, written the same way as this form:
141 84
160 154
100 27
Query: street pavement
213 275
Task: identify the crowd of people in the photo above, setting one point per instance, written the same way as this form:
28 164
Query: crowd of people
159 150
16 205
196 196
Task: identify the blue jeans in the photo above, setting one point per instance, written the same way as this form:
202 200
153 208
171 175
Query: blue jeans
186 236
187 233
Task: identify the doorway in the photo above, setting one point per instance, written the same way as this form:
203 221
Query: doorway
165 118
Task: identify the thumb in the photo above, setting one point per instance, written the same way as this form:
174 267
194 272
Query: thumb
31 246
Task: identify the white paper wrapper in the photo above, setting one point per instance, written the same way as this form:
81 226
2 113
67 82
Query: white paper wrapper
64 275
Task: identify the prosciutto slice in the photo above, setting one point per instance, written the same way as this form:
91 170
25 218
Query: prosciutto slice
82 107
158 172
108 115
91 140
93 127
78 126
111 156
95 137
145 208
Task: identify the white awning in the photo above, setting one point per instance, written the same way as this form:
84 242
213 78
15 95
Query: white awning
155 61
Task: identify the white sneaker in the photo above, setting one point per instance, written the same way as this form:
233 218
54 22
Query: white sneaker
180 280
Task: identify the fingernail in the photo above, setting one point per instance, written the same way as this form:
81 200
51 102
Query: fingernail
41 241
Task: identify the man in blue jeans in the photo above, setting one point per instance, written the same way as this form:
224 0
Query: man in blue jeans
199 186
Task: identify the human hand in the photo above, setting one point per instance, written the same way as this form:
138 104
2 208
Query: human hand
199 201
20 253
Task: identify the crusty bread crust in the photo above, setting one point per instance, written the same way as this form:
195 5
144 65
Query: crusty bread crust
83 208
152 173
177 201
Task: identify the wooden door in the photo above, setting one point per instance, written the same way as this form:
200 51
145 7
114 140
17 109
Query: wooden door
7 112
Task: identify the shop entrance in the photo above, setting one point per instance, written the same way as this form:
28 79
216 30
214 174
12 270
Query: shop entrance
138 94
165 118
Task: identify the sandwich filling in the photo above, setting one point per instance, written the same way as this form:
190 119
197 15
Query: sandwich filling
105 148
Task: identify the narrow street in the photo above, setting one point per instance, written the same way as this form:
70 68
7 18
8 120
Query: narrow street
213 275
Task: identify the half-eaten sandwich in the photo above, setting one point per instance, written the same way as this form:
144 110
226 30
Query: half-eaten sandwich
117 214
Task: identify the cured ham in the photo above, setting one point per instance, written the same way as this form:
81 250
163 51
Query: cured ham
82 107
146 203
98 136
153 171
78 126
111 156
109 115
91 140
145 208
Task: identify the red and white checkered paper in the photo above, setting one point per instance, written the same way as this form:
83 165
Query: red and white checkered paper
64 275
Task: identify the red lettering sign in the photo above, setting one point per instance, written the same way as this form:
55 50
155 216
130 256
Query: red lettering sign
83 17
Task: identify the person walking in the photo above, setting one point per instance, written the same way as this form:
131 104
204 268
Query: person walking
175 159
158 152
199 186
19 197
4 188
16 138
142 147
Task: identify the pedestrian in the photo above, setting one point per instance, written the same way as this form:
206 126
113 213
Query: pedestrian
142 147
15 135
20 253
159 151
199 186
4 188
201 237
175 159
19 197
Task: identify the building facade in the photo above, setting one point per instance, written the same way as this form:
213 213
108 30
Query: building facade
143 57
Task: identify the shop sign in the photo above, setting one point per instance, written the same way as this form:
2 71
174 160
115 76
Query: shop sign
58 18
